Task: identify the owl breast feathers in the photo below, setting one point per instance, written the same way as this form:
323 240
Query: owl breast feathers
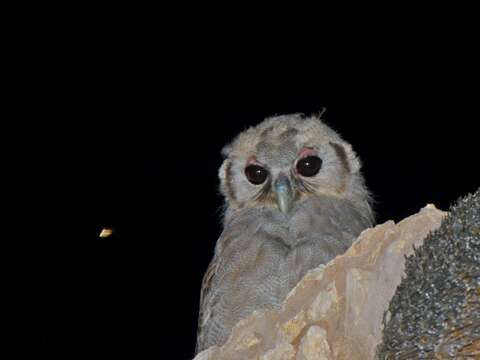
294 199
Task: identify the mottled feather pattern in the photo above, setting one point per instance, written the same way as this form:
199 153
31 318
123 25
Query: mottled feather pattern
263 252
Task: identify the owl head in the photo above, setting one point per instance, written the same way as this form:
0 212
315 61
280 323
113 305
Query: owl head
286 160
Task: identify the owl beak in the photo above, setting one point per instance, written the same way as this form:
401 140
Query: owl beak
283 192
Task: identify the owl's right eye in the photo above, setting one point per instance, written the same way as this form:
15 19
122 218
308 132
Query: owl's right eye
256 174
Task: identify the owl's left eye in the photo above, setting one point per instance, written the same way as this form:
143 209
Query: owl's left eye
256 174
309 166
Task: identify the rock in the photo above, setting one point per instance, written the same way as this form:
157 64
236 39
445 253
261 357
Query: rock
435 312
314 345
336 310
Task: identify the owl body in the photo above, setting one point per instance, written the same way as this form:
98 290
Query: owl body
283 217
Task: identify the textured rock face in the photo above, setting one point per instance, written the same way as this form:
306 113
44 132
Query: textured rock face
336 310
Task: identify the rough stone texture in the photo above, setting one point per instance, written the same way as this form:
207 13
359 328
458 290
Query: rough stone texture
336 310
435 312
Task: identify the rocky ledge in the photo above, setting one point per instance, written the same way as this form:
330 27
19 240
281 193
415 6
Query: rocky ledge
336 311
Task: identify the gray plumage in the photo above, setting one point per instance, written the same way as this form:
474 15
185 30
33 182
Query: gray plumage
277 230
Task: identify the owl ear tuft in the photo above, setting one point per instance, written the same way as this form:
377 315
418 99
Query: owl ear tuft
320 113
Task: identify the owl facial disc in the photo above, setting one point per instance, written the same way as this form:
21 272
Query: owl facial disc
283 192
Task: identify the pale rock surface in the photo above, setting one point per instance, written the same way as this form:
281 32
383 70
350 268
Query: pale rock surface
336 310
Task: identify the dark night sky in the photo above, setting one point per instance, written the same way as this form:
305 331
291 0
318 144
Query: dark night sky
118 114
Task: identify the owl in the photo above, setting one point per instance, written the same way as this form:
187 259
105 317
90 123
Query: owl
294 199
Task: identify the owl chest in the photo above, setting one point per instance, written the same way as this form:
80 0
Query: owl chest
289 235
273 250
264 271
262 261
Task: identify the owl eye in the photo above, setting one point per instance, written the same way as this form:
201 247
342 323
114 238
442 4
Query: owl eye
309 166
256 174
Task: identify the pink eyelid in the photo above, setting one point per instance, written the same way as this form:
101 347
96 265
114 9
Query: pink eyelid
306 151
252 160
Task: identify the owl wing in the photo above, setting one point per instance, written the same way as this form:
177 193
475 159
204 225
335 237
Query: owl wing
205 309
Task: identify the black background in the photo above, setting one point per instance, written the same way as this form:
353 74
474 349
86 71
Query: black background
115 115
